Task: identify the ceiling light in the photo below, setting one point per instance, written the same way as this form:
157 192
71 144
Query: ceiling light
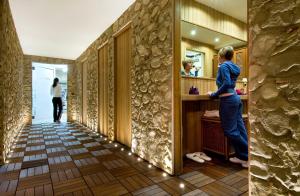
193 32
164 175
217 39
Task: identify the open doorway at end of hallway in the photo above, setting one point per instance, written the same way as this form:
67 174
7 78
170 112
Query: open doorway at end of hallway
42 79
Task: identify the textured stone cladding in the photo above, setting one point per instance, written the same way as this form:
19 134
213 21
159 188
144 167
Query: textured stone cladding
11 81
28 60
151 75
274 37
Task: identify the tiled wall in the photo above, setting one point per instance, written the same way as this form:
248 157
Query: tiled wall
151 22
11 81
274 29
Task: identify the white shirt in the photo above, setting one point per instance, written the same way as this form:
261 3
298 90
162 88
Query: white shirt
56 91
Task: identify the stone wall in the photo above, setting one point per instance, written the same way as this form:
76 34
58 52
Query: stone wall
274 48
151 70
11 81
28 60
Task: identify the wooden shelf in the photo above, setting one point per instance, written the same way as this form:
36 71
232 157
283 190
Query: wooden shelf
187 97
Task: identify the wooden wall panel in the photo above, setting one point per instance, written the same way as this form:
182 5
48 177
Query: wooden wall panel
103 89
123 82
84 92
205 16
203 84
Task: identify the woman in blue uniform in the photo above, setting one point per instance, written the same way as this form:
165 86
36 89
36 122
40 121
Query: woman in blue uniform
231 106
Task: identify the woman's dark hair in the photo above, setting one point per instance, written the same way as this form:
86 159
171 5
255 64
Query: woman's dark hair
55 81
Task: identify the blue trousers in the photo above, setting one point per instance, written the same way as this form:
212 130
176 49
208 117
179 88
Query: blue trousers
231 109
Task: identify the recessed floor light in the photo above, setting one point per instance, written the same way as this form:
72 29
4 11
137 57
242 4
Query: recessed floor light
217 39
181 185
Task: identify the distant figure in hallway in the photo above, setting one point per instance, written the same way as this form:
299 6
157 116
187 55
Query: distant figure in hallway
56 100
231 106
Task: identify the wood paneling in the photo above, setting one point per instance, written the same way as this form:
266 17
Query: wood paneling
122 86
215 62
205 16
176 105
84 92
240 58
103 89
203 84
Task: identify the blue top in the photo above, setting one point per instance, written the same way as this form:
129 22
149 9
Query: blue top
228 73
184 74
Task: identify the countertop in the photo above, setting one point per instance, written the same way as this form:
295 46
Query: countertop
187 97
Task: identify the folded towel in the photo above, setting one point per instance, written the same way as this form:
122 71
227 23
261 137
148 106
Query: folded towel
211 113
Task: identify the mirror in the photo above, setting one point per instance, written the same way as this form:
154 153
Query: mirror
200 46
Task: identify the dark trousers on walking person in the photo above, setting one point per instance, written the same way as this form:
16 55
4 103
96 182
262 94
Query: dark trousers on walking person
231 109
57 104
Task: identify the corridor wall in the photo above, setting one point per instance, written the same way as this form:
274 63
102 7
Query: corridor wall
274 60
151 75
12 111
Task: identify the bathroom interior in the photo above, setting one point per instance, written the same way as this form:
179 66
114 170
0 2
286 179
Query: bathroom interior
206 27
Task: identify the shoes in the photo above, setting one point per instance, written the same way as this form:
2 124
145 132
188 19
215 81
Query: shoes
194 157
245 165
203 156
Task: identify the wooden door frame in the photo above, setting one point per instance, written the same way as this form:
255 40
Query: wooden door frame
115 35
82 64
176 83
105 44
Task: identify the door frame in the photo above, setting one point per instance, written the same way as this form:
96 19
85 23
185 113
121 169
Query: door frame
105 44
114 36
82 93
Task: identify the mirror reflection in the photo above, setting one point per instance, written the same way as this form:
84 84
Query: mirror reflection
200 47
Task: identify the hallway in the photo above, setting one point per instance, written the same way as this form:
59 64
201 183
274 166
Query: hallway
68 159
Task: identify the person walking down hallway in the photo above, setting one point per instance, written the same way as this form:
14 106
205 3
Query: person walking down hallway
56 100
231 106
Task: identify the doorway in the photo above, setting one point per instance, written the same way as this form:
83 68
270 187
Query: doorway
122 86
211 30
42 78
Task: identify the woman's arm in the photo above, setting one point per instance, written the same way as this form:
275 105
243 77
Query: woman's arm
226 82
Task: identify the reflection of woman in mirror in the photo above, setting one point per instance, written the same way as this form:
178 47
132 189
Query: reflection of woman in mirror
231 106
187 65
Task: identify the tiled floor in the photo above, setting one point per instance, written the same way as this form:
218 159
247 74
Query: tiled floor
68 159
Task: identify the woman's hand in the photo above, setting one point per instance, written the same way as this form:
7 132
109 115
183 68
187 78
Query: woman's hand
209 93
